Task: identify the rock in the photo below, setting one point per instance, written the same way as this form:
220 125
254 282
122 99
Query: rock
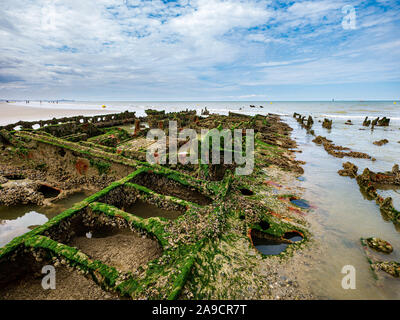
205 112
337 151
382 178
321 140
366 122
327 124
381 142
310 122
349 170
384 122
386 205
390 267
379 245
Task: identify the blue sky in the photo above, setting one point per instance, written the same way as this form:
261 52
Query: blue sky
199 50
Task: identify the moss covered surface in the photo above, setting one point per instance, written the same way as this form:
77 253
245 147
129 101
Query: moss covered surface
207 251
112 138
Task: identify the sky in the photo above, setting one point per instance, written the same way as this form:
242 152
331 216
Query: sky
200 50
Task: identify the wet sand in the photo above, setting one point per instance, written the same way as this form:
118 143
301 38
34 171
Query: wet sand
14 112
70 285
125 250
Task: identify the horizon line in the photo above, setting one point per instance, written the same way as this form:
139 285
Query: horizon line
168 100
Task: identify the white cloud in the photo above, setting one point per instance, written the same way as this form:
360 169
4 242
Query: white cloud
214 18
281 63
115 47
262 37
313 9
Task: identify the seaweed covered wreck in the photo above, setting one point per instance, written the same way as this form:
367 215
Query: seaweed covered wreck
150 231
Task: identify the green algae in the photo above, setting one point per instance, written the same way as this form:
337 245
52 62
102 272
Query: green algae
193 263
102 167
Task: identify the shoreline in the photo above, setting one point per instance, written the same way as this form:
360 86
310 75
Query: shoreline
12 113
274 235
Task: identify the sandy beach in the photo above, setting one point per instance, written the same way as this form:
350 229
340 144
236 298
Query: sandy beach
14 112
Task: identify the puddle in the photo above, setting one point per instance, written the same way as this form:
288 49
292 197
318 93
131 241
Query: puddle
300 203
19 219
14 177
9 229
270 245
145 210
169 187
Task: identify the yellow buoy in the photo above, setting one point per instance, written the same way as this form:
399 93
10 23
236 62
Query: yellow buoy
103 106
394 102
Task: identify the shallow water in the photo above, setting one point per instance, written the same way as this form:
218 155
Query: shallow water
300 203
145 210
17 220
273 247
342 215
269 247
